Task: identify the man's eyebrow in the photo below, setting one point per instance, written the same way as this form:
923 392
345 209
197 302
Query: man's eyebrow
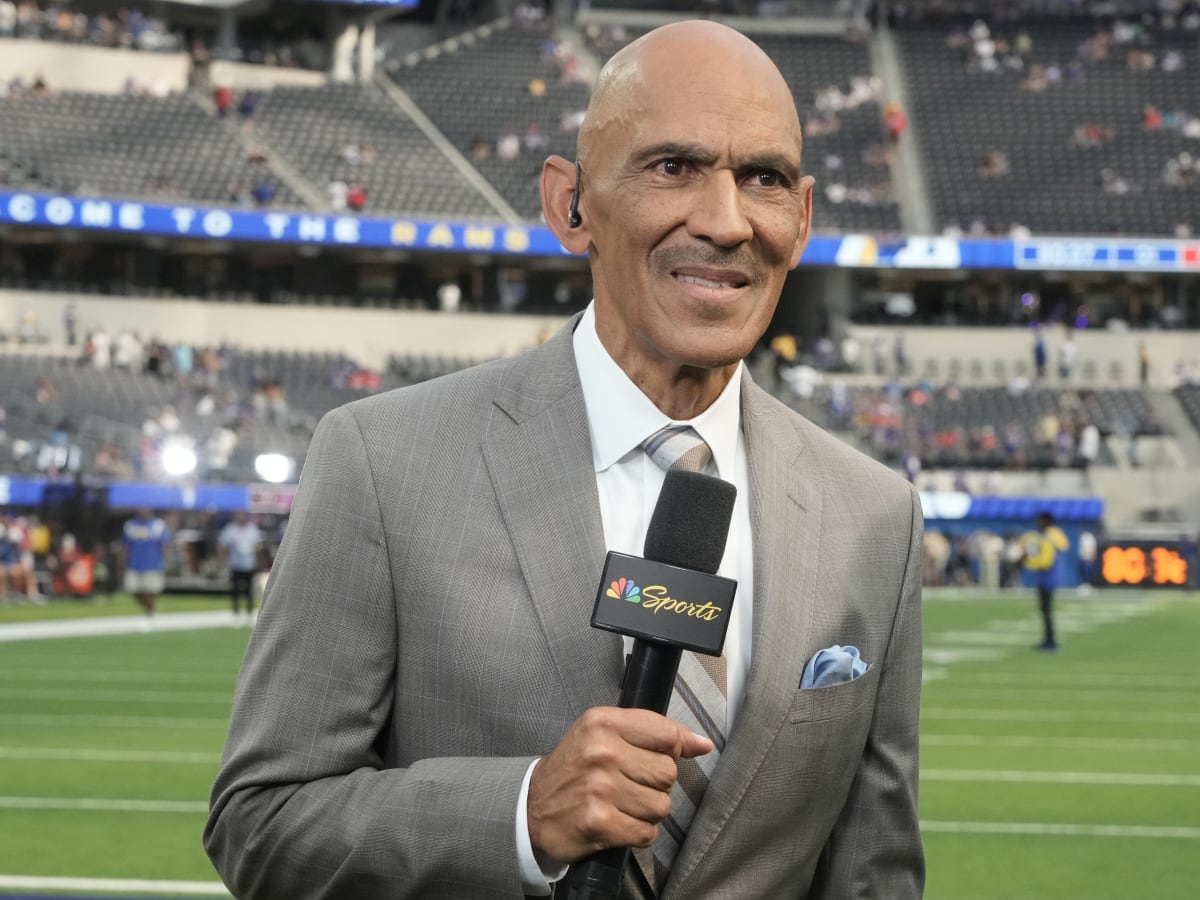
775 162
675 150
695 153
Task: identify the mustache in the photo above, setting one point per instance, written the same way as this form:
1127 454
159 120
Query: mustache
740 258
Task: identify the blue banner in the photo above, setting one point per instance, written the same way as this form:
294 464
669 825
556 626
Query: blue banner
32 208
16 490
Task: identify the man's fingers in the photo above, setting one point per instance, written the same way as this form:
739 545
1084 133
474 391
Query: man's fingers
695 744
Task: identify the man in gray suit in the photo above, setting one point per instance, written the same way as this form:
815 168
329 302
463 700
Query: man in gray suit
423 710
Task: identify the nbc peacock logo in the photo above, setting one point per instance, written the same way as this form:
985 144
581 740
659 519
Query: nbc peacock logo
625 589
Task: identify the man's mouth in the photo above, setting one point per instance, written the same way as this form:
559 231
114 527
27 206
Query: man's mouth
712 282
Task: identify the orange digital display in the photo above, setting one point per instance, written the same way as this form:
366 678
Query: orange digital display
1143 564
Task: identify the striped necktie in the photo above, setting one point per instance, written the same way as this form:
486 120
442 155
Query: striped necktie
699 698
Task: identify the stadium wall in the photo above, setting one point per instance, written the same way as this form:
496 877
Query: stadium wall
369 336
96 70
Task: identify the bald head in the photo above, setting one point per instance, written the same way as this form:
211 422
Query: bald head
690 52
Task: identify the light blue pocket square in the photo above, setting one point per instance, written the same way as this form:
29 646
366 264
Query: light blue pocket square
833 665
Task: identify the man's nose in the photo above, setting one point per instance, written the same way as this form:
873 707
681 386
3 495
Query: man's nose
719 214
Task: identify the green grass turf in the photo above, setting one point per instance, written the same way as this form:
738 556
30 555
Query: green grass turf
1012 738
1045 739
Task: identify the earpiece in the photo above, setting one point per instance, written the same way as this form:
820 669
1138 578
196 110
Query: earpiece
574 219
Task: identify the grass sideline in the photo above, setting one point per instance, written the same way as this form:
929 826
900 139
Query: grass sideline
1072 775
104 605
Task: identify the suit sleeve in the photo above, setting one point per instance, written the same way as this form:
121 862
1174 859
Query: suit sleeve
303 807
875 849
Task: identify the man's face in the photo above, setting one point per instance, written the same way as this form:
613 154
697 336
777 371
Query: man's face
697 211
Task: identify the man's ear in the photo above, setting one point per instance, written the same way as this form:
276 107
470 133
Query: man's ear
558 186
806 191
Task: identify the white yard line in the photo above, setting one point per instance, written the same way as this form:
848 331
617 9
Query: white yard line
96 674
1027 741
1141 779
83 692
984 714
1156 832
102 804
103 625
125 885
72 720
87 754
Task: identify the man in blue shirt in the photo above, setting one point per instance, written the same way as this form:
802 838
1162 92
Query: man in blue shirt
146 538
239 542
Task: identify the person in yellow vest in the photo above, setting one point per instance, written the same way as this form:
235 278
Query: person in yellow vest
1041 549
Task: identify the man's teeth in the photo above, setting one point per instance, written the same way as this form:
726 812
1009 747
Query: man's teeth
704 282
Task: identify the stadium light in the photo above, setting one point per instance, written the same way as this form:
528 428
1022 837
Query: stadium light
178 460
273 467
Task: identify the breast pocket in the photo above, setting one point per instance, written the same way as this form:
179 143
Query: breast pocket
824 704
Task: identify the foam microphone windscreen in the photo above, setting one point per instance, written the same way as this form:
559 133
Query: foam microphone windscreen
690 523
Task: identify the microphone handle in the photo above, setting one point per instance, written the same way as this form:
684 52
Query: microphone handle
647 683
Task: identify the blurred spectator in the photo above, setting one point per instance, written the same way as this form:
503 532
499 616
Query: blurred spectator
223 99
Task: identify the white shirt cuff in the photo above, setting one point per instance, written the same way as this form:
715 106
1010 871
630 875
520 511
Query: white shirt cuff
537 872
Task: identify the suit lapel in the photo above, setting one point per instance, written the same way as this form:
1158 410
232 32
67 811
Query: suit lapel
784 512
539 455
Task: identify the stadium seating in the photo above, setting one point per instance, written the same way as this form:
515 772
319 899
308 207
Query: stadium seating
126 146
311 127
481 87
1055 183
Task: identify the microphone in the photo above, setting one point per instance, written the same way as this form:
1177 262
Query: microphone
669 600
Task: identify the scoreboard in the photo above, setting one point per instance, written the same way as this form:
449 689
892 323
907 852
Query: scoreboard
1145 563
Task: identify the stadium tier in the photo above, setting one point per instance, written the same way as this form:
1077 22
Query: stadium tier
1057 126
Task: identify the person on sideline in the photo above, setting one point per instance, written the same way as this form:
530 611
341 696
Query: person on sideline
146 539
1041 548
239 542
424 711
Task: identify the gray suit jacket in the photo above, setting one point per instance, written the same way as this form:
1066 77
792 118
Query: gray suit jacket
425 636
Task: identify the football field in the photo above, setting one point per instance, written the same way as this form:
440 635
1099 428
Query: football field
1072 775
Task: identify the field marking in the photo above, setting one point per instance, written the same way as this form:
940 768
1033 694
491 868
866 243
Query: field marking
111 625
164 757
70 720
959 690
223 698
1143 779
1056 715
1139 745
1133 681
101 804
128 885
1157 832
9 674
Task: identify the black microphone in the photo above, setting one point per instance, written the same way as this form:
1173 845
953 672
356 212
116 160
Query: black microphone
669 600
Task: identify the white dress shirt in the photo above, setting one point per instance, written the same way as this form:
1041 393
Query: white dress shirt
620 417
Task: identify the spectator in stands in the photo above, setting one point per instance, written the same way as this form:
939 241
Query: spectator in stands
8 18
1066 355
356 199
98 349
248 104
223 98
146 540
263 191
692 209
894 120
1143 356
1039 353
995 165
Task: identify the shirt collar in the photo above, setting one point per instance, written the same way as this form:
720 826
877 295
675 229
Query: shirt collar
621 417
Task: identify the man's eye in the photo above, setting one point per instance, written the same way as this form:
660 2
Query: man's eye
672 166
767 178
